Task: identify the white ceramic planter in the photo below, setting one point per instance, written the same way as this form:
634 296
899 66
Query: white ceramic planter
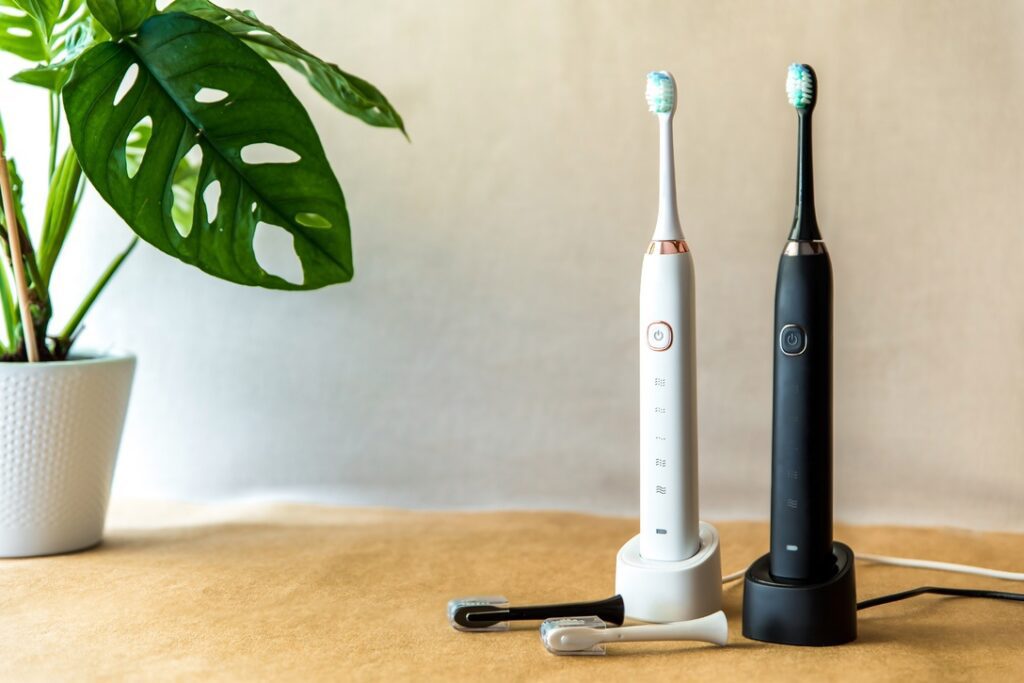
60 428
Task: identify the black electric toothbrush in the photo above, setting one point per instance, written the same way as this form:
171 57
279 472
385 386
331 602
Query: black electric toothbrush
803 592
801 513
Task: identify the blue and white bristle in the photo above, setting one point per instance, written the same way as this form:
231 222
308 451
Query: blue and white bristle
661 92
800 86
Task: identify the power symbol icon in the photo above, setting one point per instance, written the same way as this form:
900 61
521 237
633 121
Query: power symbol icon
659 336
792 340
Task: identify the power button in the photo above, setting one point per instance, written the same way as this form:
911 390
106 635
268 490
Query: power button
792 340
659 336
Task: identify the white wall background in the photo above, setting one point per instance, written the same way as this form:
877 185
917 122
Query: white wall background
485 353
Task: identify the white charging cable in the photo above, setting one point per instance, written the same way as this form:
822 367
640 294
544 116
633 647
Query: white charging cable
942 567
913 563
735 576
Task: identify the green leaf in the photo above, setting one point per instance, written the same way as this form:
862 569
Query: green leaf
45 12
49 76
54 75
205 92
347 92
8 304
74 31
38 292
60 211
18 191
21 33
121 17
71 329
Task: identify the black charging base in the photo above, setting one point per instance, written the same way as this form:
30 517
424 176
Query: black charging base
801 614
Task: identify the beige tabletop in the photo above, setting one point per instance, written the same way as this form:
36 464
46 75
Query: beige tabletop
257 592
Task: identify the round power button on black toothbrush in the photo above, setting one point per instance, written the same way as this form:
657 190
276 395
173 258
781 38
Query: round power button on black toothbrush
792 340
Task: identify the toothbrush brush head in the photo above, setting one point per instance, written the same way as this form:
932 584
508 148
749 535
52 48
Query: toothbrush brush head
581 636
661 92
459 610
801 86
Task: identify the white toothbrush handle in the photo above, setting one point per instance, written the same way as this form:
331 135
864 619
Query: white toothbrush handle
713 628
669 517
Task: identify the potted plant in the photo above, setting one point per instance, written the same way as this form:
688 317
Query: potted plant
180 122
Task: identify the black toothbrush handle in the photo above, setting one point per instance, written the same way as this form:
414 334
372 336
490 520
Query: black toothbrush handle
801 521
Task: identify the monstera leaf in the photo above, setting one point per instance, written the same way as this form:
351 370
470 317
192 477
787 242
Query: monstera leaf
25 27
57 41
121 17
44 12
201 99
349 93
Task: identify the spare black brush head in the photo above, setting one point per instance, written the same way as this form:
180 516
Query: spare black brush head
473 615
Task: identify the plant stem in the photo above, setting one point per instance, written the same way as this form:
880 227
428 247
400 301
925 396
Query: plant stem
64 340
54 131
36 283
28 328
7 303
61 202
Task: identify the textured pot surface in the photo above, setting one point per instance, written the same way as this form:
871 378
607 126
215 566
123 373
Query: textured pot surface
60 428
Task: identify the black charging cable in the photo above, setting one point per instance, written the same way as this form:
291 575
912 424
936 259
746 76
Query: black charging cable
938 590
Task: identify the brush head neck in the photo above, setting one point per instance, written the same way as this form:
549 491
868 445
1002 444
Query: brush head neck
667 227
805 221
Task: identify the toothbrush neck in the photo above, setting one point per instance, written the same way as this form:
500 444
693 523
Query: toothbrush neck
805 222
668 227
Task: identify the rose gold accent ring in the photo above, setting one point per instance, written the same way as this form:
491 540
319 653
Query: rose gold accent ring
666 247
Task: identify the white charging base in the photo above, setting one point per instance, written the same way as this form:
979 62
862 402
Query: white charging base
671 591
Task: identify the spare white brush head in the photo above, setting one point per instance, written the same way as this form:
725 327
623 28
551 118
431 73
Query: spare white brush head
588 635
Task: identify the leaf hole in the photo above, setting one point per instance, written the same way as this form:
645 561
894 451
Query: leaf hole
274 248
211 198
11 12
312 220
130 76
183 189
268 153
210 95
19 32
136 145
161 5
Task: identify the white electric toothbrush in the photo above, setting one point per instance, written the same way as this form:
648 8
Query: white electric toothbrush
669 516
672 570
